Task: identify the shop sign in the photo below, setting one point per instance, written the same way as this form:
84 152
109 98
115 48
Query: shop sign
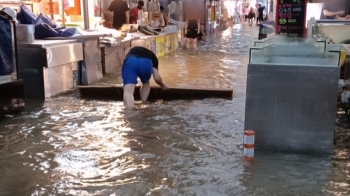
51 8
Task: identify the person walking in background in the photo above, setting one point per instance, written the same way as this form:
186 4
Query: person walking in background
260 17
134 13
121 13
251 16
192 28
246 13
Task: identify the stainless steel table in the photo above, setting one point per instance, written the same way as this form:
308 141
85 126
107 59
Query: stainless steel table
48 67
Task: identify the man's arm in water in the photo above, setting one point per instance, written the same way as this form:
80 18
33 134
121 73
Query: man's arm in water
158 79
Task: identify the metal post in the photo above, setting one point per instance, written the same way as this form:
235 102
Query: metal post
205 16
51 9
63 17
86 14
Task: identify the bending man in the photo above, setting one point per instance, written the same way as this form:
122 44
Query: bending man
139 62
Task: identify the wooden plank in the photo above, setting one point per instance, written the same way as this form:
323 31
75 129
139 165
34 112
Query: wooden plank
116 93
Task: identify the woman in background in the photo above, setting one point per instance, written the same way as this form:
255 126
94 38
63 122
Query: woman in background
251 16
192 29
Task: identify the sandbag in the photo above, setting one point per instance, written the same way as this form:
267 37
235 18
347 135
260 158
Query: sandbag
44 30
25 16
68 32
6 52
42 18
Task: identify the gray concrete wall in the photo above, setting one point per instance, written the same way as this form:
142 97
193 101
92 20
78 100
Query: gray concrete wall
292 108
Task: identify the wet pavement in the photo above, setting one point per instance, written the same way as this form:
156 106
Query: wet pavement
68 146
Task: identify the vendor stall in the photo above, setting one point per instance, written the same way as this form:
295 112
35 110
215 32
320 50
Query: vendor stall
47 68
90 69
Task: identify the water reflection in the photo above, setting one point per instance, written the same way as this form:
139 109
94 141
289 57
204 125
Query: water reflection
67 146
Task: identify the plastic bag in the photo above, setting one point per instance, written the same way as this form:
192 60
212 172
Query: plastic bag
25 16
44 30
42 18
6 52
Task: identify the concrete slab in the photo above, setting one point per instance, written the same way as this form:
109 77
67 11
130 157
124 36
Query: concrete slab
116 93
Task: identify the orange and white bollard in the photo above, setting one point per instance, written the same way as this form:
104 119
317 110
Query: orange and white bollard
249 139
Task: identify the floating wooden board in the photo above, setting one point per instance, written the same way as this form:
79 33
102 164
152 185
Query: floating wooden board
116 93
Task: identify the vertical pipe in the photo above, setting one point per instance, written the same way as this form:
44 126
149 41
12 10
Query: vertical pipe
100 7
86 14
51 9
63 16
205 16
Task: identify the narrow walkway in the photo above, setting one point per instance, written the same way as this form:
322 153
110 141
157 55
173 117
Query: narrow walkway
214 65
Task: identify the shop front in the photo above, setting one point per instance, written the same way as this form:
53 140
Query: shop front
94 50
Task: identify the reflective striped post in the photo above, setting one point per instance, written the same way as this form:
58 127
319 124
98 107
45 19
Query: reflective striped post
249 139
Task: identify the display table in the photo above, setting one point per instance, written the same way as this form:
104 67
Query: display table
91 67
161 44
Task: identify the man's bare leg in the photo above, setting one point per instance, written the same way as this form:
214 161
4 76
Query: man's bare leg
128 96
144 91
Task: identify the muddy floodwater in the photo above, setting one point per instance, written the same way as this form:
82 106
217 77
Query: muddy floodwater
68 146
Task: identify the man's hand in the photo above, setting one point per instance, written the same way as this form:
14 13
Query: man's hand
164 87
340 12
347 17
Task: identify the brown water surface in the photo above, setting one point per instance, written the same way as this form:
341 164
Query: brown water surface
68 146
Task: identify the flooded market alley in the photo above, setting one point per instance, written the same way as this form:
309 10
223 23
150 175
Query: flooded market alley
69 146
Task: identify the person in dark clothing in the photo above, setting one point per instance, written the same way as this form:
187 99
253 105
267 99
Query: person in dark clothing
121 13
334 9
192 27
139 62
251 16
260 17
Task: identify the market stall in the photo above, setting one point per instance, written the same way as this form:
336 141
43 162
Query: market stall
47 68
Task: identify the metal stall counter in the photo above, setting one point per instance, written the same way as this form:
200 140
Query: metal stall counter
90 69
113 54
48 67
161 44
